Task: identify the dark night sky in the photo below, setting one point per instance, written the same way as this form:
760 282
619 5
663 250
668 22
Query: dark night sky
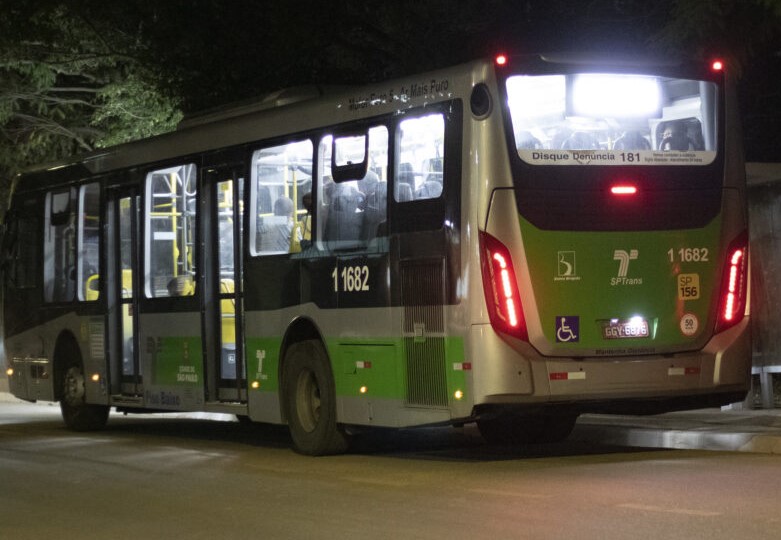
256 47
210 52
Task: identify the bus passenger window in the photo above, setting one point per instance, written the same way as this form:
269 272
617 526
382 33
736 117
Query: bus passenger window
353 212
170 232
21 246
419 158
59 265
281 176
89 242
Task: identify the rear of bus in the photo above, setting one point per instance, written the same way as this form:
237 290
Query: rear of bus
615 267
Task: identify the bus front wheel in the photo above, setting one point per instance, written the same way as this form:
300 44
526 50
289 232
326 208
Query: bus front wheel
310 399
76 412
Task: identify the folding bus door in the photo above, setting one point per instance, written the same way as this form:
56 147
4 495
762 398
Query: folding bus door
221 315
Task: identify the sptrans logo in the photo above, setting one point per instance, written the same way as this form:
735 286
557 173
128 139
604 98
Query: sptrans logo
623 258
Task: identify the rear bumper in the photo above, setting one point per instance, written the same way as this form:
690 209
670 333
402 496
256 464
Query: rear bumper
512 373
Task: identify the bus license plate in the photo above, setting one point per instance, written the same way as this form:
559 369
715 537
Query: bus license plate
628 329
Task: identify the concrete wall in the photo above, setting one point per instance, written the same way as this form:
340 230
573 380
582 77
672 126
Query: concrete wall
764 200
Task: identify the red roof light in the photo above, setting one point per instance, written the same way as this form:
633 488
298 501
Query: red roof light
623 189
717 65
501 60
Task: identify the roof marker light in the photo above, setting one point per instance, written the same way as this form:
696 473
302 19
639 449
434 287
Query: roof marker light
623 189
501 60
717 65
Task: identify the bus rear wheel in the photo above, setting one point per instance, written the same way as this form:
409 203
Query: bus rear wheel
310 400
512 429
76 412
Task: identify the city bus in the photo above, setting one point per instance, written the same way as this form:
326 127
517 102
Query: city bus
514 242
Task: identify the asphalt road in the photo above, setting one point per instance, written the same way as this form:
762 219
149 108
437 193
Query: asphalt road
168 477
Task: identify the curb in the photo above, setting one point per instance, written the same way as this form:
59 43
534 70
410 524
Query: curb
6 397
729 438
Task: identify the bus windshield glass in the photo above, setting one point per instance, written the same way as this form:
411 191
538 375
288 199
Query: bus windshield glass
613 119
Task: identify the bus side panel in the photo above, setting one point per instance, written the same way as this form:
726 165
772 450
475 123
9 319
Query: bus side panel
33 357
171 359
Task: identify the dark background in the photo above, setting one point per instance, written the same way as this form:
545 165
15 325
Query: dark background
80 74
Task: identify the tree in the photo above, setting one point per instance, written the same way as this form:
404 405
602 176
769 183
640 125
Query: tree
70 83
80 74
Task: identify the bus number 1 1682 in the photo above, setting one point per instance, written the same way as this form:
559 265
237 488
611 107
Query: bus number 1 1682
351 279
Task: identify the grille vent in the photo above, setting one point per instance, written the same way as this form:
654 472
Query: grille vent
423 297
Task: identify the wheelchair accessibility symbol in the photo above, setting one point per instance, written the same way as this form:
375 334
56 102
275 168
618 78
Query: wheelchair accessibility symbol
567 328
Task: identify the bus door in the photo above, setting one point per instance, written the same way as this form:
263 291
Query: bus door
222 307
122 269
169 318
425 233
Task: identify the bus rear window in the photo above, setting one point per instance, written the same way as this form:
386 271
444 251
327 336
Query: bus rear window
612 119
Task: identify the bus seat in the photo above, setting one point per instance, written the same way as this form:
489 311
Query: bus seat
227 312
264 200
344 220
92 288
368 183
406 175
274 234
580 140
375 212
127 282
403 192
182 285
431 188
631 140
274 231
524 140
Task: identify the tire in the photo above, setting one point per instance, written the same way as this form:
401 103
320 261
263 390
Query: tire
77 414
513 429
310 401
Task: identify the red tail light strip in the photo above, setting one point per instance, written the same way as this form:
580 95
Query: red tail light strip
734 285
501 290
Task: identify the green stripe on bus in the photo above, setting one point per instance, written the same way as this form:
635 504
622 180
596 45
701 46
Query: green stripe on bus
599 276
370 367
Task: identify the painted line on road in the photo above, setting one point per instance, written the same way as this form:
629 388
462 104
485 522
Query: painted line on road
683 511
518 494
378 482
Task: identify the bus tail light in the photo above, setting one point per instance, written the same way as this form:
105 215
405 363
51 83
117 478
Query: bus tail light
734 284
501 288
622 190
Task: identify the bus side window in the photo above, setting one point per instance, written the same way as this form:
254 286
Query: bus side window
60 247
353 211
89 242
281 176
170 232
419 158
21 246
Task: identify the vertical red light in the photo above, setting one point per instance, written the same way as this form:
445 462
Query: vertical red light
734 285
500 286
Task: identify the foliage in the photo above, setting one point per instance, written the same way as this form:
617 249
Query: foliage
733 29
70 84
80 74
